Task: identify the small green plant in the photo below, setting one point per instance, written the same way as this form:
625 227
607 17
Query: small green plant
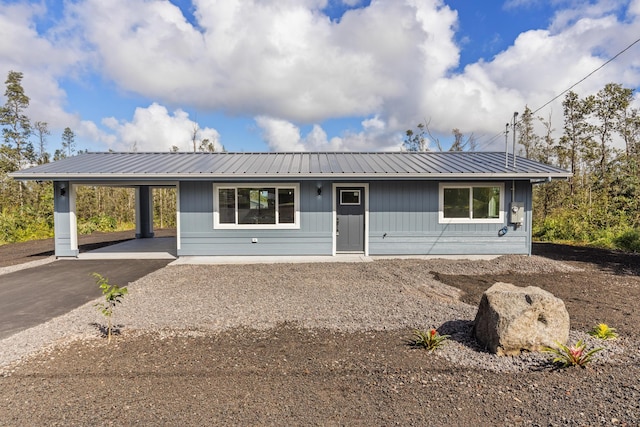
113 295
429 340
604 332
572 356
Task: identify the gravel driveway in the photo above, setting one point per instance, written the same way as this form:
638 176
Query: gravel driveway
318 344
343 297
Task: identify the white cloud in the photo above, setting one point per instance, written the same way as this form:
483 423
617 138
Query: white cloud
278 58
155 129
287 64
282 135
42 61
538 66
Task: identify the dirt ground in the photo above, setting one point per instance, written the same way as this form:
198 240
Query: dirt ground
292 376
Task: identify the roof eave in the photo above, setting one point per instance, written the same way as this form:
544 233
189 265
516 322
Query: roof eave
270 176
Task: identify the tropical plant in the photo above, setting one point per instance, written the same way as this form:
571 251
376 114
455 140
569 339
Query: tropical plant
576 355
604 332
429 340
113 295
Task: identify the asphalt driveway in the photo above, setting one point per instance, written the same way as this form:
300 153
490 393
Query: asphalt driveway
32 296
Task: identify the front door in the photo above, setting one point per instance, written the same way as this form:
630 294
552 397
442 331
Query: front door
350 219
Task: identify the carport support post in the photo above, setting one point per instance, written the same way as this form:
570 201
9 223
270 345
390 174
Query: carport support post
64 218
144 212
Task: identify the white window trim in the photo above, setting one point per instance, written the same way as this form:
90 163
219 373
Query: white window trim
470 185
296 202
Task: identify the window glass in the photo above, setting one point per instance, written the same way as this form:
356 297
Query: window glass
286 208
456 203
468 203
486 202
256 205
227 205
349 197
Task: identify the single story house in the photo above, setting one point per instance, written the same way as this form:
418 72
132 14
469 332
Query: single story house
310 203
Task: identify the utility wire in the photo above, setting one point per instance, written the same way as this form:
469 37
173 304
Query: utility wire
569 88
613 58
587 76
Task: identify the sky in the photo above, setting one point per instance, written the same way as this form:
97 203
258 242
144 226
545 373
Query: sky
307 75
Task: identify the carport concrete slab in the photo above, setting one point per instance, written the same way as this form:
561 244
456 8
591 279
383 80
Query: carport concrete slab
152 248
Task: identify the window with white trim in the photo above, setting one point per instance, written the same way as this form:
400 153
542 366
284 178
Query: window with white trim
471 203
256 206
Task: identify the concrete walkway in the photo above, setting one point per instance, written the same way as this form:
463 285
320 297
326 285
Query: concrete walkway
165 248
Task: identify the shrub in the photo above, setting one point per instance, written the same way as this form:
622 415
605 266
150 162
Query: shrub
571 356
429 340
628 240
113 295
604 332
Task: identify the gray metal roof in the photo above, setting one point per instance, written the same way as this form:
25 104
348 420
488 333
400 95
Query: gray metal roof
304 165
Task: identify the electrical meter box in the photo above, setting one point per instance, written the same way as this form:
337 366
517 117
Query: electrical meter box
516 213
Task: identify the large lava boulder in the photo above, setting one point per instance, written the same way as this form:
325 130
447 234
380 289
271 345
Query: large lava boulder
511 319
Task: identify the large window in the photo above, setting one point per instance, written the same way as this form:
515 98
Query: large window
256 206
470 203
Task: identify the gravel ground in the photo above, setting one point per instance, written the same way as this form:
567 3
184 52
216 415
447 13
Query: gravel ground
384 295
266 343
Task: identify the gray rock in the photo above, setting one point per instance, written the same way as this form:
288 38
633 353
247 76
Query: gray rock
511 319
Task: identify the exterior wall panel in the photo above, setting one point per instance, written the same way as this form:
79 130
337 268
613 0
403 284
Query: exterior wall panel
403 220
198 236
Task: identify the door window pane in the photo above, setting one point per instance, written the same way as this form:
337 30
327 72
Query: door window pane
349 197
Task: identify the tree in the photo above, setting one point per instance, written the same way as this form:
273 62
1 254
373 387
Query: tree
417 141
576 139
16 149
527 136
609 106
630 132
59 154
194 136
548 147
68 141
41 130
207 146
460 143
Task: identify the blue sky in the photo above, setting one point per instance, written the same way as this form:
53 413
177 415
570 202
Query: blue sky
292 75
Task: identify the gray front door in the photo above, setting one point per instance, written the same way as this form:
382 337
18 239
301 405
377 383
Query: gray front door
350 219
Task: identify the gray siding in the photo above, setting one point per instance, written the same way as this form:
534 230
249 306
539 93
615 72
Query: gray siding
198 237
403 220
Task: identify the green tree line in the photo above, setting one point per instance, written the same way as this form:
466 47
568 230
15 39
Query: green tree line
600 145
26 208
